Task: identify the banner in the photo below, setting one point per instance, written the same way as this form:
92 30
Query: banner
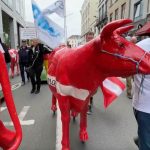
57 7
47 31
28 33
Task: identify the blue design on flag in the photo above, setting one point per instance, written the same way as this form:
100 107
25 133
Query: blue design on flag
42 22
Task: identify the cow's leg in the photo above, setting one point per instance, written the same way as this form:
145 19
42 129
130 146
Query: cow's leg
54 107
83 125
64 105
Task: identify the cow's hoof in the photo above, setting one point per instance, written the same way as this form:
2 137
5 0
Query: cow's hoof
53 108
83 136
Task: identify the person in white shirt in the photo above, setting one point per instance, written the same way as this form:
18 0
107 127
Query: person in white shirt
141 103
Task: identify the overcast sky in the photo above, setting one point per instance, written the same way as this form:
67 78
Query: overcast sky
73 8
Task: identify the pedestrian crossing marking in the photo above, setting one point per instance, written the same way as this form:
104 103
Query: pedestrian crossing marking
21 117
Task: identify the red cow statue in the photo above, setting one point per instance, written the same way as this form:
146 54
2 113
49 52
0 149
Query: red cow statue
75 74
9 140
14 61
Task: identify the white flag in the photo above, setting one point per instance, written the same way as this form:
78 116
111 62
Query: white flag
57 7
47 31
112 87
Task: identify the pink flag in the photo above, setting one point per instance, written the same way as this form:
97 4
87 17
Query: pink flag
112 87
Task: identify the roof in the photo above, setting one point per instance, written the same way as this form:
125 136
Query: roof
145 30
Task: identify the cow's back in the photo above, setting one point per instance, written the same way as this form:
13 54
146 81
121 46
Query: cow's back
56 64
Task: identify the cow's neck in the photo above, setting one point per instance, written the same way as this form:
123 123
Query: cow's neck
90 52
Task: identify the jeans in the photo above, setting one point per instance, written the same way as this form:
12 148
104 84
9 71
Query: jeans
143 121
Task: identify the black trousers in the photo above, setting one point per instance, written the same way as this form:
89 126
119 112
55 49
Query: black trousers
22 71
36 77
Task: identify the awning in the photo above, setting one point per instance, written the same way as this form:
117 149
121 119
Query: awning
145 30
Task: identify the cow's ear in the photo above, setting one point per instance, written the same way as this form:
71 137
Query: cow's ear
108 29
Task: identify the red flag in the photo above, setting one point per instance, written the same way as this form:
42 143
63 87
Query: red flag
112 87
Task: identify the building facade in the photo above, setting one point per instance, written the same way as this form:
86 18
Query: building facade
118 9
148 11
102 14
74 40
89 15
12 14
139 12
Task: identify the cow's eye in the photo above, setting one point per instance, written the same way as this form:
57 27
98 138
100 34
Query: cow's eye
120 44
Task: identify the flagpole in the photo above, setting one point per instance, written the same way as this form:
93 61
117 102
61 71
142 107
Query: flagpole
65 23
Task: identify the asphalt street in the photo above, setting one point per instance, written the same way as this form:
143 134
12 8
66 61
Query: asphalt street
109 129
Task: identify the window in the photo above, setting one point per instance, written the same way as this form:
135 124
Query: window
105 8
123 7
116 14
100 14
137 10
111 17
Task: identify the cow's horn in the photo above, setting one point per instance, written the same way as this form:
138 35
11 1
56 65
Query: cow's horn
110 27
122 30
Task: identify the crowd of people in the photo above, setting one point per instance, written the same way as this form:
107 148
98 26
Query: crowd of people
31 60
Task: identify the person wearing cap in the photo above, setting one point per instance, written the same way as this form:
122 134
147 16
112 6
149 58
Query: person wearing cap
24 60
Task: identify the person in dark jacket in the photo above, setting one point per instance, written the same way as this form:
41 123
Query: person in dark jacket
24 60
38 50
6 54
